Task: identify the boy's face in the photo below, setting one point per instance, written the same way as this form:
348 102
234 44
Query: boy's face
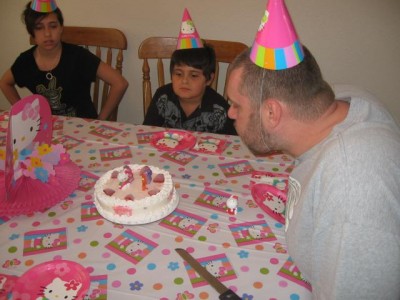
189 83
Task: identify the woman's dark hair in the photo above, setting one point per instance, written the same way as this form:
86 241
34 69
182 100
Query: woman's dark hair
198 58
31 17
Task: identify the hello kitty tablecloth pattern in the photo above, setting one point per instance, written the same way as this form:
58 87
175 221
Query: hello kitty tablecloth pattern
246 251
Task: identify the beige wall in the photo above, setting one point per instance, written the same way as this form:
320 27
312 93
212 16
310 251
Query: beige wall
355 41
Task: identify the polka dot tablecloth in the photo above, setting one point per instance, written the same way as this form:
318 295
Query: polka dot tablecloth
246 250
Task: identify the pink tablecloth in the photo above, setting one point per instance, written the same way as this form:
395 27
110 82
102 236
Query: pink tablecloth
255 267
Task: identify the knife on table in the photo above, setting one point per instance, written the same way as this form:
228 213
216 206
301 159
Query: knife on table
225 293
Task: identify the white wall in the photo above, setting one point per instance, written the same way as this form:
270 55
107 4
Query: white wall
355 41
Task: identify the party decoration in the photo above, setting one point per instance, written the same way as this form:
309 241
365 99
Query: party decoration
276 46
36 173
44 6
188 36
176 140
55 279
271 200
231 204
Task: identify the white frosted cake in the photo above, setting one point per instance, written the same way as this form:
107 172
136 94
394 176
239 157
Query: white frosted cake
135 194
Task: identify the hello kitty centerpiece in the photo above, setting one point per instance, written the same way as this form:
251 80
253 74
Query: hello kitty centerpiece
35 173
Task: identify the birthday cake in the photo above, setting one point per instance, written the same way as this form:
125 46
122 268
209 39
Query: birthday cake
135 194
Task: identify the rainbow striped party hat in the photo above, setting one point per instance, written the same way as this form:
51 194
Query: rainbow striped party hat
188 36
276 46
44 6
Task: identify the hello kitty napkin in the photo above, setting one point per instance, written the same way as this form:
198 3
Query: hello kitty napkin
36 174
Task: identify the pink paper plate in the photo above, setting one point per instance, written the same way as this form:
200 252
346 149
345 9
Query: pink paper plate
63 277
7 283
173 140
271 200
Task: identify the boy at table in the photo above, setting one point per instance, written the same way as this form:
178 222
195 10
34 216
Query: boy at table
189 102
61 72
343 207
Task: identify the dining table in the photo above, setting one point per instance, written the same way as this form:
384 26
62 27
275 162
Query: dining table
247 247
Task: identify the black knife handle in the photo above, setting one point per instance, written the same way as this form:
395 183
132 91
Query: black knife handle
229 295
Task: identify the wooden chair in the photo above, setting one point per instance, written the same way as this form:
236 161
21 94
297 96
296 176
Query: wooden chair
98 39
160 48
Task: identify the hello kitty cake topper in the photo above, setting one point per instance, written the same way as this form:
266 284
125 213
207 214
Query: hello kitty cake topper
36 173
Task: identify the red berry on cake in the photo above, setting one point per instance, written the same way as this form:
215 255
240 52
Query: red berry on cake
129 197
154 192
159 178
109 192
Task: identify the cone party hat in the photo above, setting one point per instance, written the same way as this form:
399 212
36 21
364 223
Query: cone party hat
188 36
44 6
276 46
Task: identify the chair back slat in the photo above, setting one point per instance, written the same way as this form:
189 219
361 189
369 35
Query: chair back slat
161 48
95 96
214 83
120 60
160 71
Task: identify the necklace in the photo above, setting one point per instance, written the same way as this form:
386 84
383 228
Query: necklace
49 75
44 64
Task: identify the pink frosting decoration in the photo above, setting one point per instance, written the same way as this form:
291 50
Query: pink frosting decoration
123 210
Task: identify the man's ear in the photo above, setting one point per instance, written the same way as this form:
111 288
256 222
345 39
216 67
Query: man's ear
271 112
212 75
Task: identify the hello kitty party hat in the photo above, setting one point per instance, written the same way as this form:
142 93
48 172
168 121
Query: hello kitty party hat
44 6
188 36
276 46
34 173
